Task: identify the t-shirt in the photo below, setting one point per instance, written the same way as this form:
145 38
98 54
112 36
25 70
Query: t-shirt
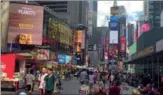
49 82
29 79
42 81
91 78
83 75
114 91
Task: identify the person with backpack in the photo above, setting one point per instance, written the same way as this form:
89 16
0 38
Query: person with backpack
49 82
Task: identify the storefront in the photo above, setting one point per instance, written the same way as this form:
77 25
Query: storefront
13 69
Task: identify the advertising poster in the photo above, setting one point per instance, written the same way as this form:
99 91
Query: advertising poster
113 37
79 36
123 44
42 54
68 59
8 66
113 23
53 56
113 50
61 58
114 10
25 24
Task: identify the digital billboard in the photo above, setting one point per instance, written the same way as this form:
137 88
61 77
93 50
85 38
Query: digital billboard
61 58
114 10
113 37
113 23
25 24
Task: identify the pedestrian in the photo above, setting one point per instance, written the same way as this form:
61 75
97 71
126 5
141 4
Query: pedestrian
112 77
42 81
83 76
91 79
29 80
49 82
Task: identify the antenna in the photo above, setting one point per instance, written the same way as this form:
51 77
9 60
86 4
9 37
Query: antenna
115 3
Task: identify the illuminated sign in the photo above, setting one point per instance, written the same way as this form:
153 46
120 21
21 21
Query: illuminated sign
114 10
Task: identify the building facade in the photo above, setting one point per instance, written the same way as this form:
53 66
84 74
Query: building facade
154 10
130 30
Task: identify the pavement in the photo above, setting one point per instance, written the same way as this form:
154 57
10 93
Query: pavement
72 87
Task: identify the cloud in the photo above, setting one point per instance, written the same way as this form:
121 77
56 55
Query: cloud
133 9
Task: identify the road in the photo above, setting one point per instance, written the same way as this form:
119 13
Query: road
72 88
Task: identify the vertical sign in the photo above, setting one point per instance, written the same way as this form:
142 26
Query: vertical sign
83 40
123 44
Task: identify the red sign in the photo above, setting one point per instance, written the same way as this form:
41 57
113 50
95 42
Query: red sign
145 27
123 44
8 64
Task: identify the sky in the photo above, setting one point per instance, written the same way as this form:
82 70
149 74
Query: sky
134 10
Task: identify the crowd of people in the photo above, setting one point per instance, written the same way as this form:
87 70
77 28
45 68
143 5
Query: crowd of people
99 82
93 82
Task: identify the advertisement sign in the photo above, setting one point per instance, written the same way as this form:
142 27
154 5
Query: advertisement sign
123 44
114 10
113 23
113 50
42 54
79 36
27 19
53 56
145 52
132 48
53 29
61 58
8 65
113 37
68 59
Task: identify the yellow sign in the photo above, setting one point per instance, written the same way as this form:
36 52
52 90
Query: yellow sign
24 25
145 52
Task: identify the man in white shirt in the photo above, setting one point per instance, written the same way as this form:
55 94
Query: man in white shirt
42 81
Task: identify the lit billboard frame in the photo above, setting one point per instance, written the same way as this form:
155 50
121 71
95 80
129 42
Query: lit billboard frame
113 37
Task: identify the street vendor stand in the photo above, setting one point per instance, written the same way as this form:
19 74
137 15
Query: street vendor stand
13 68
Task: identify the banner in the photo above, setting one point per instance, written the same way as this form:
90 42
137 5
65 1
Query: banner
27 19
123 44
8 65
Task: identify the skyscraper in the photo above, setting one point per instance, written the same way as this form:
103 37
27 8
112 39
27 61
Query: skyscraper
130 30
152 10
72 12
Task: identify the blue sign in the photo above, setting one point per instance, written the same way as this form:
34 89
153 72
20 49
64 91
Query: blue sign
61 59
113 23
68 59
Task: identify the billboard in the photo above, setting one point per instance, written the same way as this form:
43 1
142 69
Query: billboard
25 24
61 58
113 37
123 44
79 36
114 10
133 48
113 23
113 50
